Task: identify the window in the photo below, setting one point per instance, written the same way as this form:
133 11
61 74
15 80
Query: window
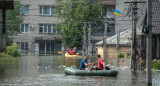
23 46
111 29
46 48
24 28
25 9
47 10
110 12
47 28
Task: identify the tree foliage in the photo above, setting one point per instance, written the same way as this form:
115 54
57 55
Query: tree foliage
73 13
13 20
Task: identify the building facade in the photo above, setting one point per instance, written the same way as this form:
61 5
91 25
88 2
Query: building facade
38 34
116 44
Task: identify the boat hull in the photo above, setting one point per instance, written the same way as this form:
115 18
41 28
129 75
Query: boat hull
67 55
74 71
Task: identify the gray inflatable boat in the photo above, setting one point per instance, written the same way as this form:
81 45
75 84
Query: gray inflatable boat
74 71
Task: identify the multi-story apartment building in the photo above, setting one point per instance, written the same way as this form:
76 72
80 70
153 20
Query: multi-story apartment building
38 34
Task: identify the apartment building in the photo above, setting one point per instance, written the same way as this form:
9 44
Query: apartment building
38 34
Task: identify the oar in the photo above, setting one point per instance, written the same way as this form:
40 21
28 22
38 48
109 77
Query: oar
91 68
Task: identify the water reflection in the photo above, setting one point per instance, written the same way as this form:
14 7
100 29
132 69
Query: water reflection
49 71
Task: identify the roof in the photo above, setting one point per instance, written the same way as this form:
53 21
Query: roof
125 37
156 17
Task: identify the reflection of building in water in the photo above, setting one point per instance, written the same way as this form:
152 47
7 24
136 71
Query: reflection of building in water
46 63
73 62
28 65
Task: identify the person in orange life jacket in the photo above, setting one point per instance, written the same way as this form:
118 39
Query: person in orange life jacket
69 50
101 64
74 51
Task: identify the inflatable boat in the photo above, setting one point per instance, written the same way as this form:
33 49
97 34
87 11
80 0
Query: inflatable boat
74 71
67 55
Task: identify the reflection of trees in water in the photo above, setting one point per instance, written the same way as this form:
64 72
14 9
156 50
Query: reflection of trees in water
7 64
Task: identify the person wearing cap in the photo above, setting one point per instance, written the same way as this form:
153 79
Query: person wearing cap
84 63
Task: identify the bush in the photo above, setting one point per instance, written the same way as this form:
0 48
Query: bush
4 55
156 65
127 55
13 50
120 55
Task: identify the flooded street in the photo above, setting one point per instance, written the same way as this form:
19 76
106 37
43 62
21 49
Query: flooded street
49 71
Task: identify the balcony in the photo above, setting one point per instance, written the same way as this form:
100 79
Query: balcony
46 38
109 2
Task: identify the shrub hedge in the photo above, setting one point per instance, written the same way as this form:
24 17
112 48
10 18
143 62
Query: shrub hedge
156 65
13 50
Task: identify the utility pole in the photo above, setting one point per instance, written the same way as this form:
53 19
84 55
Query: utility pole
118 37
84 39
134 23
89 39
104 41
149 42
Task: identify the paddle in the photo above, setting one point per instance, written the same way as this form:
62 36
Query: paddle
91 67
59 52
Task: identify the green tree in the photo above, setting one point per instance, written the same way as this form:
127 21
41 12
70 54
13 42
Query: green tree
13 20
73 13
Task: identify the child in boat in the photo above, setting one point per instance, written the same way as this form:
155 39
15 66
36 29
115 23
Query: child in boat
84 63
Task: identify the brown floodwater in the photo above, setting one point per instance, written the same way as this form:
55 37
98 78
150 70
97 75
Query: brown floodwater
49 71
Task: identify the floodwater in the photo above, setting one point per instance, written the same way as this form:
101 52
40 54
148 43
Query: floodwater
49 71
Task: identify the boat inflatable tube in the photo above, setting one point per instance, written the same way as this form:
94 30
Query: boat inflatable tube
74 71
67 55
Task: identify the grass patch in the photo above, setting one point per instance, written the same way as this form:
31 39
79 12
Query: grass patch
4 55
156 65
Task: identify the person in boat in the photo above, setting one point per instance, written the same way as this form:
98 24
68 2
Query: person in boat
74 52
84 63
76 49
69 51
101 64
